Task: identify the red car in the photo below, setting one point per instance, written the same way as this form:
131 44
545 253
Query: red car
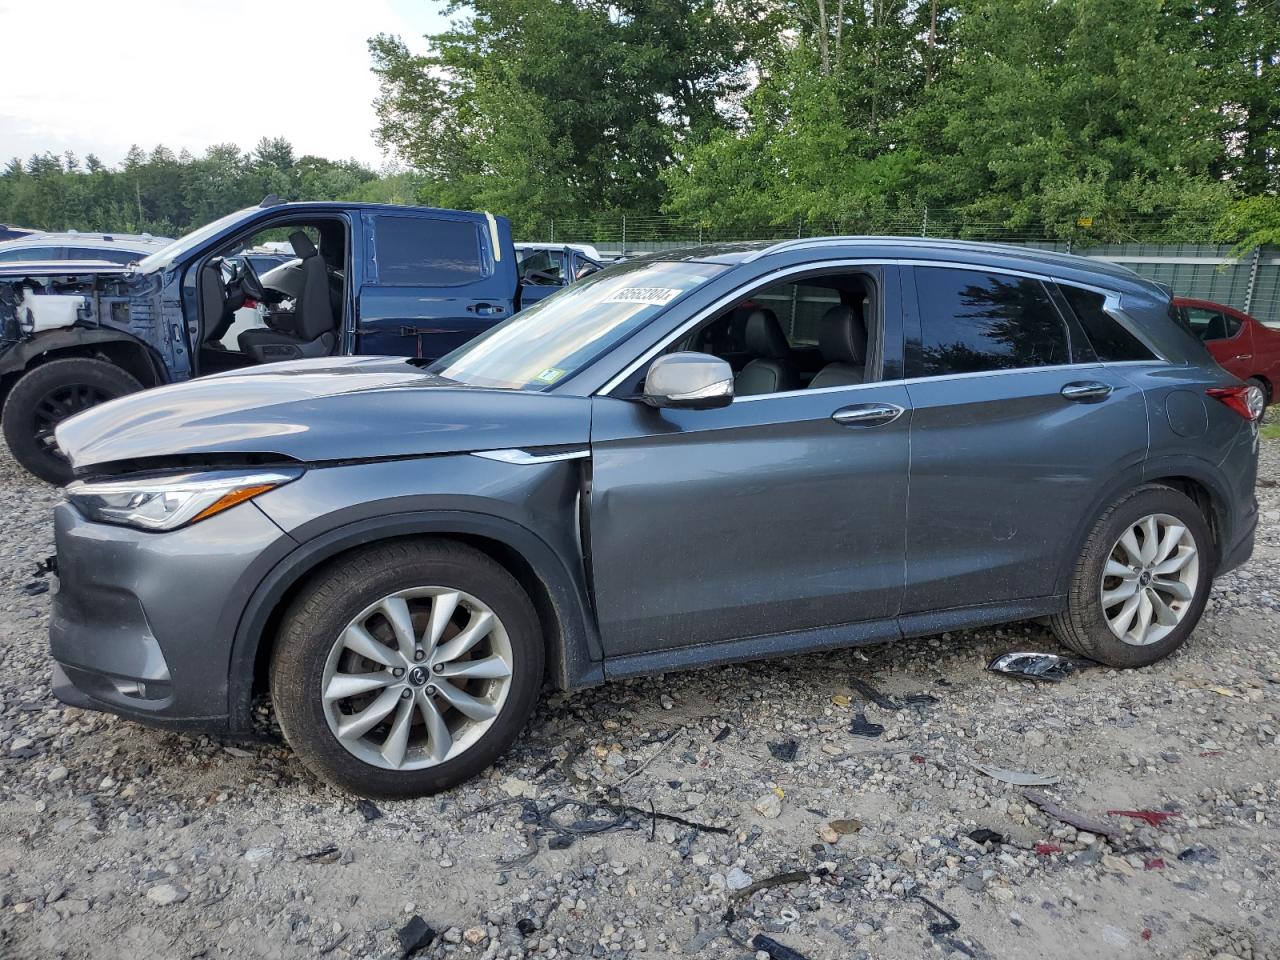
1240 344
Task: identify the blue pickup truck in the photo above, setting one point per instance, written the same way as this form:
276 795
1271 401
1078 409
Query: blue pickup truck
363 279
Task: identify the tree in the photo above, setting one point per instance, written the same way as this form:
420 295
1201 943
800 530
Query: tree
562 108
1062 110
169 194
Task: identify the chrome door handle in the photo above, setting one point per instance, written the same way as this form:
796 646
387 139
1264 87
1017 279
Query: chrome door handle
867 414
1243 356
1087 391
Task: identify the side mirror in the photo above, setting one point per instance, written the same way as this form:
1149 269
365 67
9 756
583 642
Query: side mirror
689 381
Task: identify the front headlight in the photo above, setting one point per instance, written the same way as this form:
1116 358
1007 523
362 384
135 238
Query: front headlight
166 503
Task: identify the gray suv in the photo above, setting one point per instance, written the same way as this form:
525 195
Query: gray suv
693 458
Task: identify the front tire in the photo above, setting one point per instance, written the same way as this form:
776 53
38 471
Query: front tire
48 394
1142 580
406 668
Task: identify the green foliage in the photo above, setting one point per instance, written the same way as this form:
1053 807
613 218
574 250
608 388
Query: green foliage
544 108
169 195
1141 119
1251 222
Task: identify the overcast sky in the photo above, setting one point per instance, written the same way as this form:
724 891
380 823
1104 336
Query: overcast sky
94 77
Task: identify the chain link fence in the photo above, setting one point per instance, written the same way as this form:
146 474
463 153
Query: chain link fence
1191 266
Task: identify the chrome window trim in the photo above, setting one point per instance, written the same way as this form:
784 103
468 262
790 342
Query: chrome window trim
524 457
728 299
1111 305
908 381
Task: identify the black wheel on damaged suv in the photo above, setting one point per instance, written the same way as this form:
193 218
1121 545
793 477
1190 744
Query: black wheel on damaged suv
49 394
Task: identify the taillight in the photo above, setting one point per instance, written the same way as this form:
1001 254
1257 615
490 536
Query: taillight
1247 400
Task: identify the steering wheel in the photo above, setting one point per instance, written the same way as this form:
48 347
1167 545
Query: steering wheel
250 284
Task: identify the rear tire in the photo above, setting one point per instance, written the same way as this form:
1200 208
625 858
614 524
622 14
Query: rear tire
1163 576
48 394
453 707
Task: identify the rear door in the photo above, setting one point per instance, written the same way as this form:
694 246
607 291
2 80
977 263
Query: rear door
432 280
1016 429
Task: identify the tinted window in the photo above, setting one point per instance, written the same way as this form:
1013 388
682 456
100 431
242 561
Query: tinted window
425 252
972 321
98 253
1212 324
29 254
1110 340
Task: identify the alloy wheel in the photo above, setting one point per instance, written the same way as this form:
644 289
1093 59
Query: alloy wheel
416 678
1150 579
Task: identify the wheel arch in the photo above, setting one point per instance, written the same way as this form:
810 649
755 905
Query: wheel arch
1194 478
572 646
129 353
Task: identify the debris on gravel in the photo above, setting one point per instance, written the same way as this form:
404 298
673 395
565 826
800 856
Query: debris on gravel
831 807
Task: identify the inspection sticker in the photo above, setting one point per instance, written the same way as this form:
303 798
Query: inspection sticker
549 375
657 296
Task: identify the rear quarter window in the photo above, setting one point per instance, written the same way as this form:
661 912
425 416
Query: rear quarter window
1111 341
421 251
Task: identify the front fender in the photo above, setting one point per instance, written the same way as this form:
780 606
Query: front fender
574 660
16 356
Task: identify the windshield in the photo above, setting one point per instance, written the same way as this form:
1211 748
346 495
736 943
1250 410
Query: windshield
166 255
554 339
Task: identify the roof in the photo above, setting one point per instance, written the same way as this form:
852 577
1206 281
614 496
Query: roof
925 247
143 241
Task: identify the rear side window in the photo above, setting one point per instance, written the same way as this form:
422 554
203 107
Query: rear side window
1110 340
419 251
971 321
1210 325
98 253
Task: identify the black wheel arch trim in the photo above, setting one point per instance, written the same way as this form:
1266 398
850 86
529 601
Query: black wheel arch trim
19 358
574 659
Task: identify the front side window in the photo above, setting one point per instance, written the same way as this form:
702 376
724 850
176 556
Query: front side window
972 321
1111 341
1210 325
420 251
555 338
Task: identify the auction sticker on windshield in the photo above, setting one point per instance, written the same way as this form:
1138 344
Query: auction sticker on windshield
657 296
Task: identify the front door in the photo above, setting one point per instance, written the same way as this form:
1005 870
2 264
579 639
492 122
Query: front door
781 513
763 517
432 281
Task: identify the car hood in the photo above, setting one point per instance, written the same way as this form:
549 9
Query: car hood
352 408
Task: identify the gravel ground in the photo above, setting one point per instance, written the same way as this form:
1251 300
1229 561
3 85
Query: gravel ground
117 840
